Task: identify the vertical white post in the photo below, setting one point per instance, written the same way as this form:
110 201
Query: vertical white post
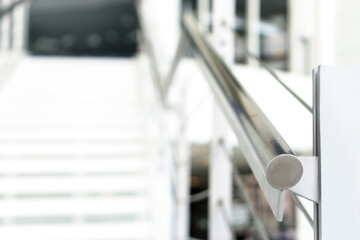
11 27
19 31
325 33
183 174
301 30
220 180
337 111
204 12
5 28
223 21
253 28
220 167
162 19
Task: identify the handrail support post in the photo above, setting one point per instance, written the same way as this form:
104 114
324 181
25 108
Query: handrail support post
220 181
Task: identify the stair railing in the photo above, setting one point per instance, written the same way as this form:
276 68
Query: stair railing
274 164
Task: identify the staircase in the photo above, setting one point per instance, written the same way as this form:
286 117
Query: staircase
73 151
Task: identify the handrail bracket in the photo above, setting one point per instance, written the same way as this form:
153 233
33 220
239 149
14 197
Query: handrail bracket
308 186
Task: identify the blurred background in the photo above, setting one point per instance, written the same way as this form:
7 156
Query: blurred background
89 150
82 28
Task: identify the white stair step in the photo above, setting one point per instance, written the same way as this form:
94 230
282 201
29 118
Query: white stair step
118 231
69 115
80 184
21 98
65 121
23 166
71 108
119 90
60 106
48 100
75 149
66 134
126 125
126 205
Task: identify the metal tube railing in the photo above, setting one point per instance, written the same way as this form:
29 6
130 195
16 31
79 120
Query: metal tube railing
274 164
272 161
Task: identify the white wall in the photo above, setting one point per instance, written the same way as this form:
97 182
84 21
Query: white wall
347 38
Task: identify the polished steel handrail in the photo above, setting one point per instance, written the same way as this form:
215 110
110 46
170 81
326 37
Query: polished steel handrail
272 161
280 164
274 164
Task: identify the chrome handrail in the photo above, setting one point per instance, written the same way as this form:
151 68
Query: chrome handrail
272 161
274 164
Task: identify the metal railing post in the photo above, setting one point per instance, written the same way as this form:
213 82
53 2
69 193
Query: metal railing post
220 181
183 166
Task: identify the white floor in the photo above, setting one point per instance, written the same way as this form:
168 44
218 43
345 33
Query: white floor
73 151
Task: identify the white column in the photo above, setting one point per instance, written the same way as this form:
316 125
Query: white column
183 166
301 30
220 167
325 33
220 180
5 28
338 116
162 19
20 26
204 13
253 28
223 22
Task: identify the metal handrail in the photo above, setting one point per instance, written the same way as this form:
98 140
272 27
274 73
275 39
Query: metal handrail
272 161
245 116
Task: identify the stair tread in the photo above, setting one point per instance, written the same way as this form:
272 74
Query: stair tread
73 148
